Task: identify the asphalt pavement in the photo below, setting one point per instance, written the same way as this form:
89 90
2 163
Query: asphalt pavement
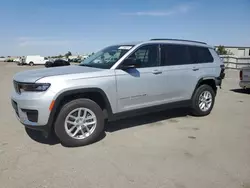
170 149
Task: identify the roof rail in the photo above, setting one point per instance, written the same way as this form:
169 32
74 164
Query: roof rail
180 40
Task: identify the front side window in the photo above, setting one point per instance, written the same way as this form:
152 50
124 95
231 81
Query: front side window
107 57
146 56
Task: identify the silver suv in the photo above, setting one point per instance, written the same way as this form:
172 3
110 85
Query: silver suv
116 82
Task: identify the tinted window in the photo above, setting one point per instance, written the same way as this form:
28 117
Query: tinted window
200 54
146 56
172 54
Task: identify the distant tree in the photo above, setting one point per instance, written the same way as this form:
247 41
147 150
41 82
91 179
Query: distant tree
2 57
222 51
68 54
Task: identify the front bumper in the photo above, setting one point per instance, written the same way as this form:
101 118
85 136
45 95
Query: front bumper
244 84
32 109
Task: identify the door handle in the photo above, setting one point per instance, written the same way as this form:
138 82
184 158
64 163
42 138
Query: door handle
157 72
195 69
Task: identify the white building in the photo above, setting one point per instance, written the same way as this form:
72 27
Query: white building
238 51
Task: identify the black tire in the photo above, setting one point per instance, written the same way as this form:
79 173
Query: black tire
60 131
196 111
48 64
247 90
31 63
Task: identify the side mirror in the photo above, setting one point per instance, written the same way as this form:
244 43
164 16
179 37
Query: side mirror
128 63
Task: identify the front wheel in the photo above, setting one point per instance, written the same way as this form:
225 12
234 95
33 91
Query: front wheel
31 63
203 100
80 122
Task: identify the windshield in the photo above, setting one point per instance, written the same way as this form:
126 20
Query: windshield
107 57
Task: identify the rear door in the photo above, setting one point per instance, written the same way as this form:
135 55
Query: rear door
179 71
42 60
205 66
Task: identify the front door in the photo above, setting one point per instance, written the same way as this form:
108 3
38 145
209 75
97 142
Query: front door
141 86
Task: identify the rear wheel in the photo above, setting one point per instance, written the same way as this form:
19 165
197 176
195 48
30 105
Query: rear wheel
31 63
247 90
203 100
48 64
80 122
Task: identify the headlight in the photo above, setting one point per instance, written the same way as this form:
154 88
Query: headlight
38 87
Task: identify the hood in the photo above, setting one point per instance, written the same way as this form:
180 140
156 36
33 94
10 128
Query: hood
32 76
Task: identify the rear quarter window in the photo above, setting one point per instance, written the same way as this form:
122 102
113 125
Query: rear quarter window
200 54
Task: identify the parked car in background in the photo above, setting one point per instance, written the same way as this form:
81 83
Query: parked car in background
17 60
34 60
57 63
76 60
245 78
85 57
8 60
116 82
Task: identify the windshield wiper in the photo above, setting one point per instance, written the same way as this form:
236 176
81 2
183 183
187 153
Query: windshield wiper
85 65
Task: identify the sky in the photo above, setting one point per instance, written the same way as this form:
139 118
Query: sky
53 27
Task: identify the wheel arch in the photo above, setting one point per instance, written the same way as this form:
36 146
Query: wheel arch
95 94
211 81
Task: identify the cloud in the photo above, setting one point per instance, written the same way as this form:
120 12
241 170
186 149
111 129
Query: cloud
175 10
44 41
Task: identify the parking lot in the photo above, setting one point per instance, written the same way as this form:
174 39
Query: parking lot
169 149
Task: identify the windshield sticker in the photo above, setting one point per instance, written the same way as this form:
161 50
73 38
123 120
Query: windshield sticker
125 47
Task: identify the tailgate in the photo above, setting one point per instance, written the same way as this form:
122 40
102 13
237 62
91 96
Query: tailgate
246 75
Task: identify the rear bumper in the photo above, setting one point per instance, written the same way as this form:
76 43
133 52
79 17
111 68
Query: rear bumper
244 84
218 82
219 79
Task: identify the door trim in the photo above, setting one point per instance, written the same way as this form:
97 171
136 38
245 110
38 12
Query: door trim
151 109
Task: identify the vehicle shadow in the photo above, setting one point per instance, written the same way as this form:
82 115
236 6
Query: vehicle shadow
40 138
52 139
146 119
242 91
117 125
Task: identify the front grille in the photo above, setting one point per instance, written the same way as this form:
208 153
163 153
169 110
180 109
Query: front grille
16 86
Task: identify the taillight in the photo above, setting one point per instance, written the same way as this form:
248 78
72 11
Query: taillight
241 75
222 72
222 66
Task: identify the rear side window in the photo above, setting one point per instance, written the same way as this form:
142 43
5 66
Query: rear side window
200 54
172 54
